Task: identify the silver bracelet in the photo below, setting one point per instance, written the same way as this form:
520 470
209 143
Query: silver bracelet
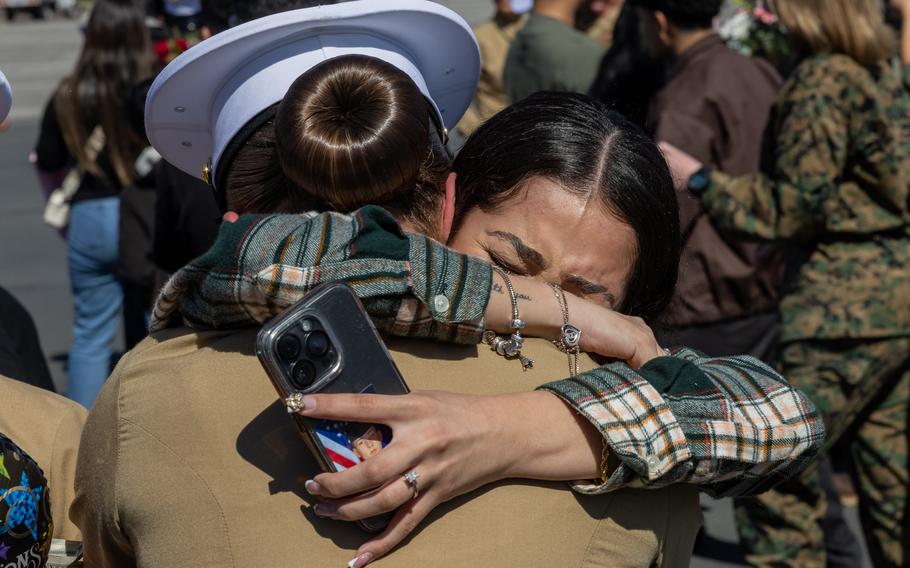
570 336
510 347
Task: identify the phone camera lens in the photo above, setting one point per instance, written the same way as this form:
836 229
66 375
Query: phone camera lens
303 374
317 344
288 348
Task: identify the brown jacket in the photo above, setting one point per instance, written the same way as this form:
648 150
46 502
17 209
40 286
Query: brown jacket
716 108
189 459
48 427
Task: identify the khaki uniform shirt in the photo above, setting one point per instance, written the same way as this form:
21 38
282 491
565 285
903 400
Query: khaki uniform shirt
494 38
47 426
189 459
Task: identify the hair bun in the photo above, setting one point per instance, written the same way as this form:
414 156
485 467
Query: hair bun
352 131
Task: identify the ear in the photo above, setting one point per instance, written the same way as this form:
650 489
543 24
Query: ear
448 207
664 29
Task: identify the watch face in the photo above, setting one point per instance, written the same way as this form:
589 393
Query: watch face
700 180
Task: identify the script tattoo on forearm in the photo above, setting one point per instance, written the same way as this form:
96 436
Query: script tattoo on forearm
500 290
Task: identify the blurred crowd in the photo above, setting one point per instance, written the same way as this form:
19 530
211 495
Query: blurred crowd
785 124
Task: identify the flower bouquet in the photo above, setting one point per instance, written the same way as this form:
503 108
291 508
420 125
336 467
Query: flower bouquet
751 28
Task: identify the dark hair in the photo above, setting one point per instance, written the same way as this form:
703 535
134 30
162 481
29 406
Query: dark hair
117 54
356 130
686 14
350 132
635 68
577 142
252 179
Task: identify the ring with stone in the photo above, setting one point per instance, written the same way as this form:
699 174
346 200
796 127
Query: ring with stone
411 478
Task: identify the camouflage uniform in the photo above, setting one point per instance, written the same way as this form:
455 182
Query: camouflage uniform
838 188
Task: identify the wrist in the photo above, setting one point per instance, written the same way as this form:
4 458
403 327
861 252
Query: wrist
699 181
537 308
566 449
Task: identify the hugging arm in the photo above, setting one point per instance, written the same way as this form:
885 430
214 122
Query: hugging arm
411 285
730 425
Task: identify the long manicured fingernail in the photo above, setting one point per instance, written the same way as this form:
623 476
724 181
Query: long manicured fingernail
325 509
313 488
361 560
297 403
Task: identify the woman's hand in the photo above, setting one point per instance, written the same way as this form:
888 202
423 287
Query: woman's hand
613 335
455 443
682 165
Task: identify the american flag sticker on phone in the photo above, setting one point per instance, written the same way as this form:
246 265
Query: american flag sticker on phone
350 443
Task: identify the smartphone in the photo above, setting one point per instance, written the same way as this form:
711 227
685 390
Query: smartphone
326 343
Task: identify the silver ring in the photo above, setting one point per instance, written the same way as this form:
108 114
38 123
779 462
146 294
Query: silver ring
667 352
411 478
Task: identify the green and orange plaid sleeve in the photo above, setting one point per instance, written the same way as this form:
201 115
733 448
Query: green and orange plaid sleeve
730 425
411 285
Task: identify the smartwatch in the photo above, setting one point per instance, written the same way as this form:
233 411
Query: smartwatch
700 181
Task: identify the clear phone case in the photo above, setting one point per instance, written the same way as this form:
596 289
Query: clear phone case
326 343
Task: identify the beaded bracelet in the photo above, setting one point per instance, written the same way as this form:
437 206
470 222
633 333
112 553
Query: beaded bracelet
509 348
570 336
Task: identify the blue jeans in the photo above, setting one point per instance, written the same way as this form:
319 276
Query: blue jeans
97 295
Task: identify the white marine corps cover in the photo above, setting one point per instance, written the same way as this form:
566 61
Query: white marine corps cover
209 93
6 97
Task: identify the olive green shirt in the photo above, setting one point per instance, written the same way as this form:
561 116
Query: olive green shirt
548 55
837 185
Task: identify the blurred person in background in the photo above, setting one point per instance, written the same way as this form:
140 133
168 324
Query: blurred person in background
550 54
837 185
634 69
494 38
92 103
598 18
136 271
21 356
715 107
897 13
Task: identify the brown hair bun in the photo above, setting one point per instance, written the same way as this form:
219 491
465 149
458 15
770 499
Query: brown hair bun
352 130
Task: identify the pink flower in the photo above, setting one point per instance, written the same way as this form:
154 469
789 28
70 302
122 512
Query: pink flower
766 16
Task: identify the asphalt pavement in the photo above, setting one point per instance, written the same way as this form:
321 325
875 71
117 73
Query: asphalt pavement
35 56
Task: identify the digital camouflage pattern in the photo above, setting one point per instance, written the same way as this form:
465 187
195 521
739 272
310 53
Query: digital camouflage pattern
839 167
862 389
838 187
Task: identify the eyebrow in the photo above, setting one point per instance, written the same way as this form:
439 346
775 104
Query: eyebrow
585 286
529 256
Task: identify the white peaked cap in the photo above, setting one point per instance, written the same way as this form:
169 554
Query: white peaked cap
208 94
6 97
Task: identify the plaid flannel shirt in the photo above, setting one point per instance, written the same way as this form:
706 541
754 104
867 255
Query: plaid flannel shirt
261 265
730 425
